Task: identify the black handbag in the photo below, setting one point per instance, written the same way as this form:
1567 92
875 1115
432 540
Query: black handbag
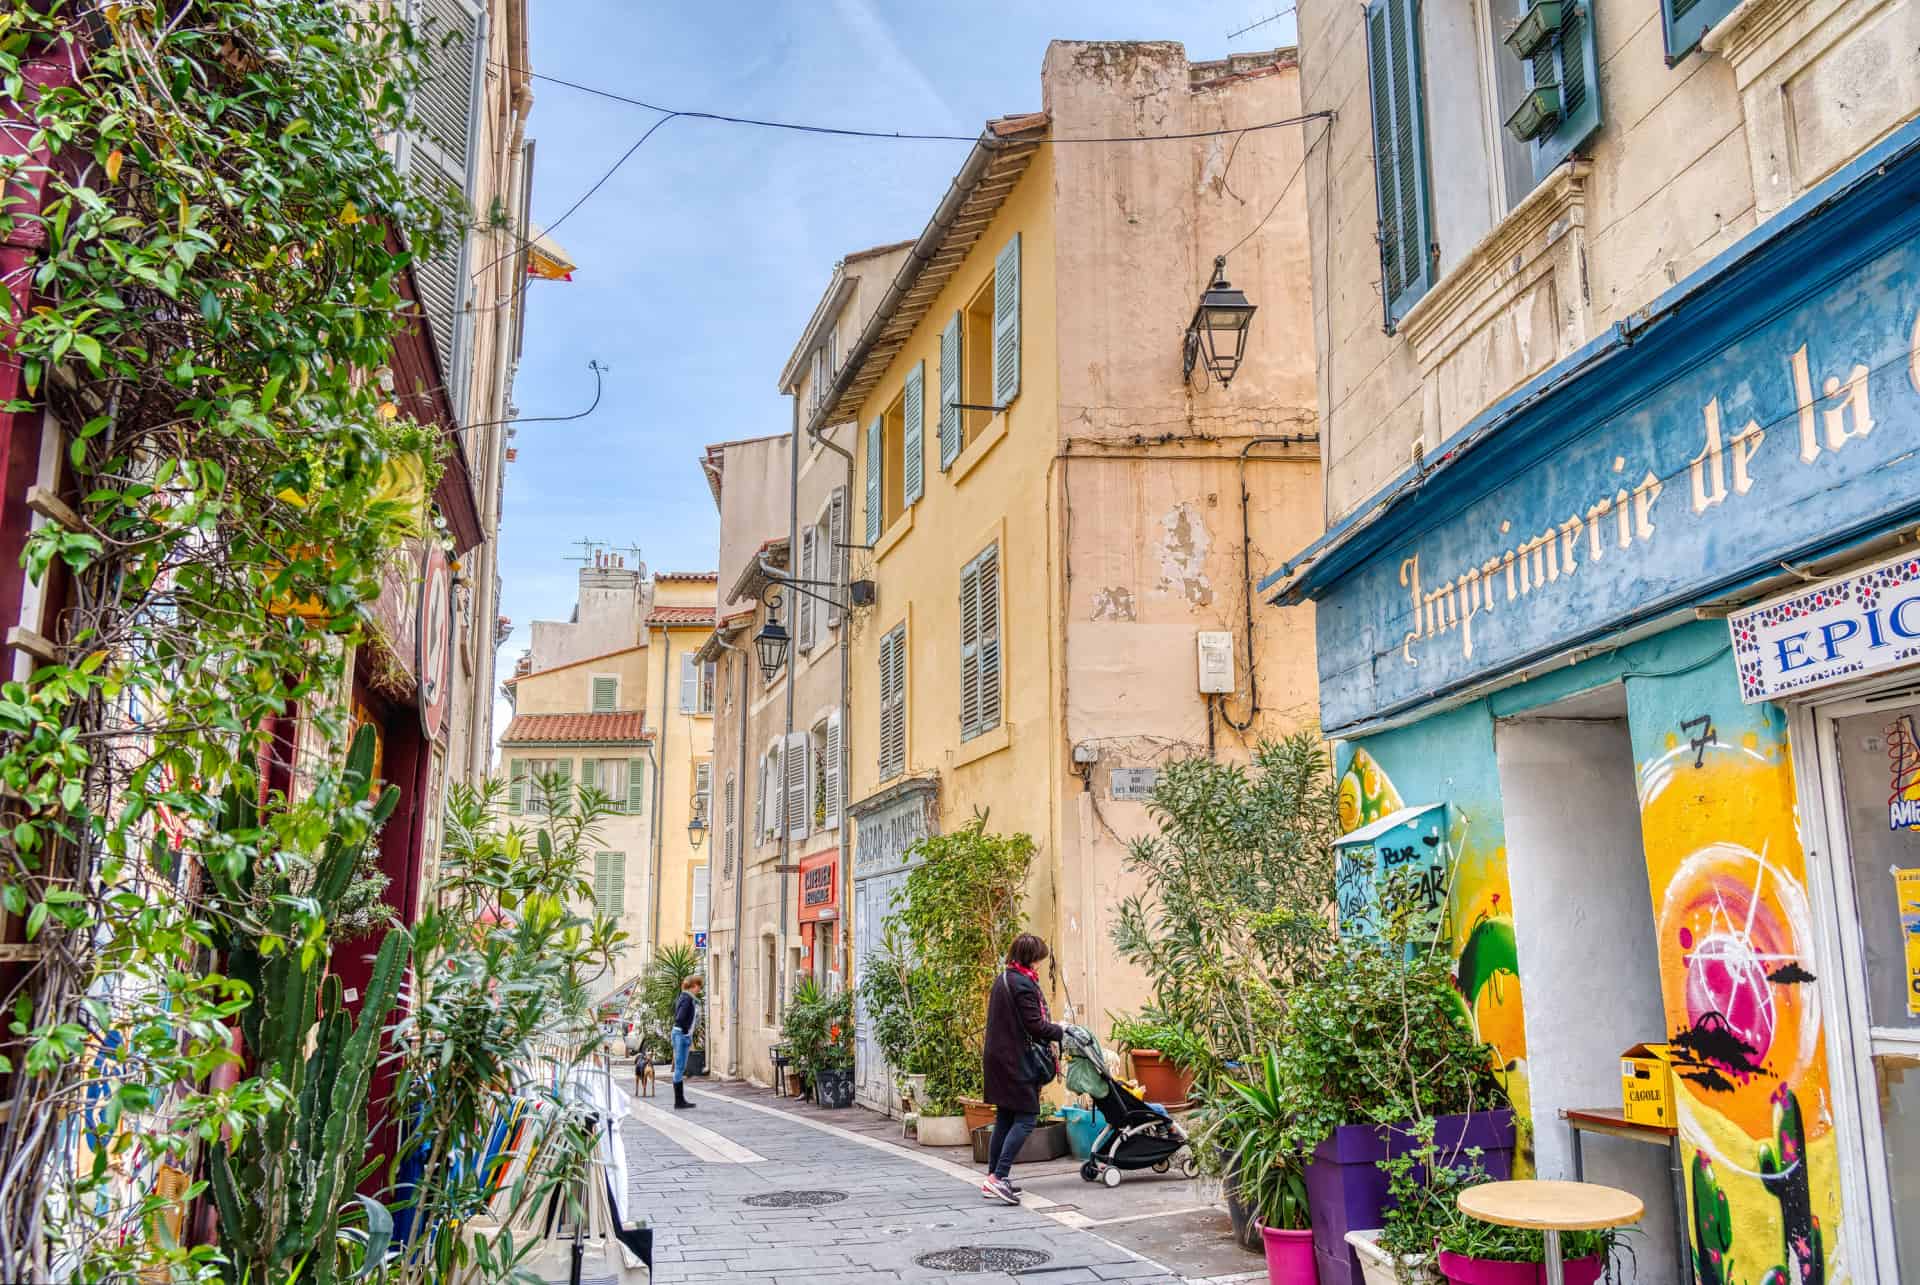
1036 1063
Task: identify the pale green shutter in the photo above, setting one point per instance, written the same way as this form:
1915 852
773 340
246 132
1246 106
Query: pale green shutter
950 393
563 785
590 776
1399 154
969 650
874 522
913 438
1568 65
636 786
1006 322
606 692
517 789
987 578
1688 20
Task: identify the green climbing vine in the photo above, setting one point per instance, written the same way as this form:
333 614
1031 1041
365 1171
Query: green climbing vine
209 315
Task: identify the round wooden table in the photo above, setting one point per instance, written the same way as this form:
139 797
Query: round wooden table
1551 1207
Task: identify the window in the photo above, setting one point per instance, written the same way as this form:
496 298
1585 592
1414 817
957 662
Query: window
893 703
636 786
893 454
980 355
537 783
980 644
697 919
798 770
730 799
769 980
610 883
804 608
609 777
705 702
689 683
606 694
1688 20
824 750
1536 99
835 529
772 794
703 791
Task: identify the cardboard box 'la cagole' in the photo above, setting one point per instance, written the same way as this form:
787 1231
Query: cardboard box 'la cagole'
1646 1084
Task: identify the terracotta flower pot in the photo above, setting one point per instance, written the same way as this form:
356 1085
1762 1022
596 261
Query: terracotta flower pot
1461 1270
1290 1256
1164 1082
977 1113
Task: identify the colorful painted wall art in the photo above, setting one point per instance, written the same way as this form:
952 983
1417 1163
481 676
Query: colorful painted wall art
1737 965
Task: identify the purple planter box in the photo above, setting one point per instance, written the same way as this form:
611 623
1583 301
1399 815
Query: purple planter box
1346 1190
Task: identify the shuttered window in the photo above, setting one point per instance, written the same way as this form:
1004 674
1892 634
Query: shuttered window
830 767
1006 322
836 559
1688 20
980 644
610 882
876 519
689 683
517 788
549 784
730 801
950 393
708 674
773 789
913 436
636 786
799 809
606 693
1566 68
442 148
809 542
697 920
703 791
1399 154
609 777
893 703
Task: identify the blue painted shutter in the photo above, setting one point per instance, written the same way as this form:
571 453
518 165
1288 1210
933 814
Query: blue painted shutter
1688 20
1399 154
950 393
873 482
1571 62
1006 322
913 437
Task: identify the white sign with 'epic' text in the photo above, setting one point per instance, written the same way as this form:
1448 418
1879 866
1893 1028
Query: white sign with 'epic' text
1825 633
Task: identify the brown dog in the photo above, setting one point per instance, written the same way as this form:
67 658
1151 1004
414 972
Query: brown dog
643 1074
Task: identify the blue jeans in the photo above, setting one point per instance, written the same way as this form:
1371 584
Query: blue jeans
1010 1130
682 1041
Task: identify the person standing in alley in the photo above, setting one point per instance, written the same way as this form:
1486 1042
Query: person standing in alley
686 1016
1019 1060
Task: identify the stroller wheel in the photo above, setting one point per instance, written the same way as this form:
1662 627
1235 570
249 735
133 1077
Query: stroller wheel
1111 1177
1089 1172
1189 1167
1162 1167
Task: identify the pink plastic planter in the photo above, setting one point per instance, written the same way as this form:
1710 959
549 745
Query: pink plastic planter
1290 1257
1461 1270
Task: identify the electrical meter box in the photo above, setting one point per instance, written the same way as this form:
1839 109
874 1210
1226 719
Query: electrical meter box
1216 662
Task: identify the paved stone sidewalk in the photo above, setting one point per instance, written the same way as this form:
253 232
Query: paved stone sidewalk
896 1208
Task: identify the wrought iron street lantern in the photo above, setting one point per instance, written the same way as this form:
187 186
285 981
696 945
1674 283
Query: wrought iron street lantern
771 643
1217 335
696 830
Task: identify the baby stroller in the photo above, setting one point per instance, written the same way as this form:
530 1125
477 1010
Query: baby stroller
1137 1134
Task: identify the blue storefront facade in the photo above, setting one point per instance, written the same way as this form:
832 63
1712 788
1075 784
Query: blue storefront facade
1644 637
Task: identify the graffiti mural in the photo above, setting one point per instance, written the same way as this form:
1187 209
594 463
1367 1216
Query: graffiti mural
1449 758
1737 947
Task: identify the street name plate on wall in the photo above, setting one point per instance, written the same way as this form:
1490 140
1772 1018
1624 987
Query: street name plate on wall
1133 784
1825 633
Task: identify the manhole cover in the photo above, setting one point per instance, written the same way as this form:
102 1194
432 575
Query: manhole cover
796 1199
982 1258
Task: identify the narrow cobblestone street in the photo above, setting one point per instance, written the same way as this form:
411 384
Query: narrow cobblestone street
693 1175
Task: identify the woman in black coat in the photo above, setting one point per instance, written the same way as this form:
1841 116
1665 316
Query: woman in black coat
1016 1020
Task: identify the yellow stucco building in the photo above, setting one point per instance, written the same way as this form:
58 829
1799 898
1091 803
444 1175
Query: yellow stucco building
680 693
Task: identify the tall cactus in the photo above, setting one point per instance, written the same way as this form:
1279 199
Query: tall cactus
1783 1171
279 1189
1712 1226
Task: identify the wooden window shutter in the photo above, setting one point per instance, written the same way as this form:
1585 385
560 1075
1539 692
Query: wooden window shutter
701 888
517 789
805 603
729 818
1399 154
913 436
836 552
1686 21
610 882
987 582
950 393
893 703
606 693
1571 62
590 777
563 784
799 753
760 802
969 649
834 751
776 791
443 149
1006 323
875 519
636 786
689 683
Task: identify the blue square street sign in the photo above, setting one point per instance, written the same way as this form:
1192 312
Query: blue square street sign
699 941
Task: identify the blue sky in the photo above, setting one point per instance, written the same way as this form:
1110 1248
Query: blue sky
701 260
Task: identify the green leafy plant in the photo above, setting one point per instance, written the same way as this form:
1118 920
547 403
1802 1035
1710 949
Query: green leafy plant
660 987
1238 895
1252 1129
818 1030
1174 1039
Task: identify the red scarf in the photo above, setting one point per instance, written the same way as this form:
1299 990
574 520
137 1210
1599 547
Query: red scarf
1033 977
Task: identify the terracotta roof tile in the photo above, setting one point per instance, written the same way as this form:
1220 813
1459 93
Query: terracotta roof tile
671 615
576 729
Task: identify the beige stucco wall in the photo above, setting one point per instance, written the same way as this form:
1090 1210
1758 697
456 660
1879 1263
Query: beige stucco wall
610 612
1689 158
681 740
753 504
569 689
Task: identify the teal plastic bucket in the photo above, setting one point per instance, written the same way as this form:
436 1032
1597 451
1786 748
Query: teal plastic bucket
1083 1126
